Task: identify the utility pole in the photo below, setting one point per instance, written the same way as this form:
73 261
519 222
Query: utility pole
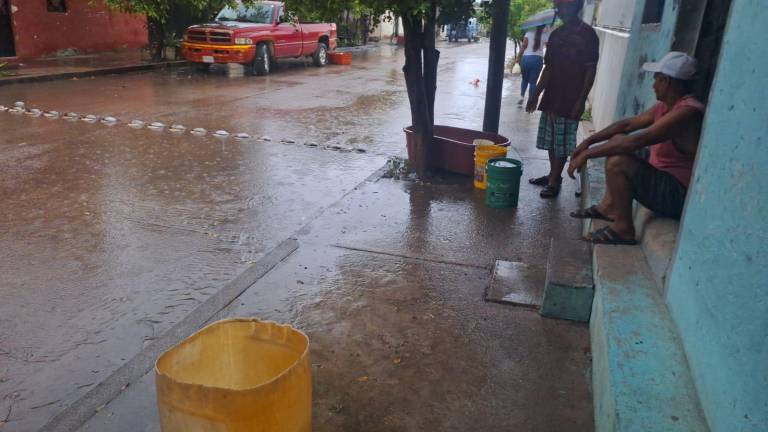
498 48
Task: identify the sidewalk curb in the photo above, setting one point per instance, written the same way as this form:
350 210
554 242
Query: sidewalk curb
131 68
91 73
362 48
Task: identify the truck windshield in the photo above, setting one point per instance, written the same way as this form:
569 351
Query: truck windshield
258 13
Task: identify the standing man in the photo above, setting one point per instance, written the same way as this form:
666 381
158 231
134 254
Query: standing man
569 72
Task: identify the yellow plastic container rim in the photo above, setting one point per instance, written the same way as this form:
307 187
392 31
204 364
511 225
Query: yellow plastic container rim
197 334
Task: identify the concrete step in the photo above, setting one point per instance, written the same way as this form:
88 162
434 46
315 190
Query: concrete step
592 178
569 289
641 380
658 238
640 375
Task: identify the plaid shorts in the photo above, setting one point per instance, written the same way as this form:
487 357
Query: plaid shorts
558 134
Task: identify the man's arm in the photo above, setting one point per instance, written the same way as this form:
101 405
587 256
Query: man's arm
625 126
667 128
586 86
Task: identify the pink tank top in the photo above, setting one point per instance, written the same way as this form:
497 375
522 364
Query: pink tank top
664 155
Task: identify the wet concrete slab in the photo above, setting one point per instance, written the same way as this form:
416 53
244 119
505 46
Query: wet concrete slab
383 327
448 220
113 235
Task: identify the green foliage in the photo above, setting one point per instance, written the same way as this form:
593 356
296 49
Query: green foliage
450 10
171 40
587 116
520 10
159 10
484 14
159 13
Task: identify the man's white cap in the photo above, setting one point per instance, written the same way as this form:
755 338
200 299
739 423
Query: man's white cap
675 64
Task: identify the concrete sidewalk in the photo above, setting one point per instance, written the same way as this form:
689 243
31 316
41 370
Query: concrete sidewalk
389 284
81 66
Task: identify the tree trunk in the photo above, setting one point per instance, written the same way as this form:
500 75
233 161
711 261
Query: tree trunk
366 29
395 29
431 59
156 30
413 70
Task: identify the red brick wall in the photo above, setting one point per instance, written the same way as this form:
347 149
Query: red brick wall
84 27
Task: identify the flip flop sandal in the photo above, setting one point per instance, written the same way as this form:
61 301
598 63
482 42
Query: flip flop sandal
539 181
550 191
590 213
607 236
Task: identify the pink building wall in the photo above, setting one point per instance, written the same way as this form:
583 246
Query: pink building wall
85 27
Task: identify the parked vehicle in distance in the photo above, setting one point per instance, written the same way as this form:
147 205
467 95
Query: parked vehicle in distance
463 30
256 35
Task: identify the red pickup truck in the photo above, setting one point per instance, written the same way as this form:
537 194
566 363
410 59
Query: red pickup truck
256 35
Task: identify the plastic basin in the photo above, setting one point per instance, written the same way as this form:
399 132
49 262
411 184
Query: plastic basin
340 58
453 148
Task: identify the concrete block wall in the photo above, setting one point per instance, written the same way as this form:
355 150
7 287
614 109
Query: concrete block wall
649 42
715 286
605 92
718 287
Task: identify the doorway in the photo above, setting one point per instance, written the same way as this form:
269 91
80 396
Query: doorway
699 32
708 46
7 44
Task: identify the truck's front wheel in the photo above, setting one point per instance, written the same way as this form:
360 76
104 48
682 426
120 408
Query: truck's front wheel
320 58
261 62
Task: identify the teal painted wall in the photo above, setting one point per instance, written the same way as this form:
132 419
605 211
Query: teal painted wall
648 42
718 288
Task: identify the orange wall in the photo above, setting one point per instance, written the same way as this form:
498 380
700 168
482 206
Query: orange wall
85 27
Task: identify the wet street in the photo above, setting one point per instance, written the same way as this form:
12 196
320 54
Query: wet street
113 234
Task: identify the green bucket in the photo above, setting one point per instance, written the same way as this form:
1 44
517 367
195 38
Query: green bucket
503 182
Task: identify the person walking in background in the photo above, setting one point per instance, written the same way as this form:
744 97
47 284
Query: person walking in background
531 59
569 72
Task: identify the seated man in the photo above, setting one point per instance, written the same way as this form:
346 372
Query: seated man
671 129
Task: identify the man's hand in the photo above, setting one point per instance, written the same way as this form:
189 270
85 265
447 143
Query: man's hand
576 164
580 148
533 102
577 111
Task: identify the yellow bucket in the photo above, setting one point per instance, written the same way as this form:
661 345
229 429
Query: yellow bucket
236 375
485 150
